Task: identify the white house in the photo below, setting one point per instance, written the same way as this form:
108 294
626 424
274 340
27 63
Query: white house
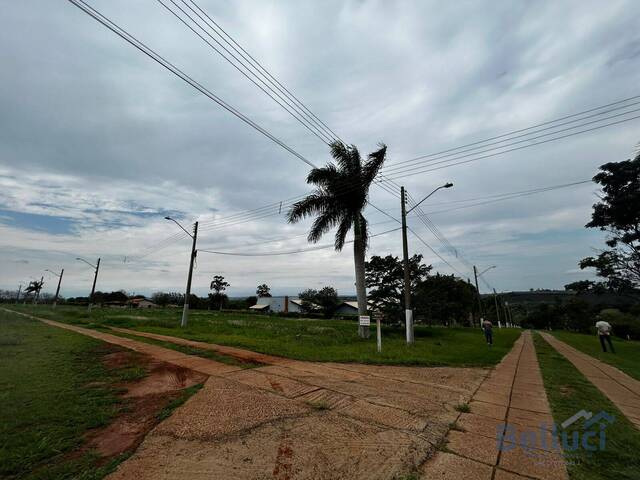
278 305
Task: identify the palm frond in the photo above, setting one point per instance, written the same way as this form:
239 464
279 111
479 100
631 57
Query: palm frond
317 202
373 165
343 230
322 224
324 176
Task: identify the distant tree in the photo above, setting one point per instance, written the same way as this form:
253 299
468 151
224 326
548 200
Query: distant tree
308 299
263 291
618 214
250 301
444 299
340 198
385 280
218 285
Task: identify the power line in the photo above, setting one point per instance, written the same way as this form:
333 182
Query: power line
256 80
404 174
290 252
523 129
180 74
434 251
525 193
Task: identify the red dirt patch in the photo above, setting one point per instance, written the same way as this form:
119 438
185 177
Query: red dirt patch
143 400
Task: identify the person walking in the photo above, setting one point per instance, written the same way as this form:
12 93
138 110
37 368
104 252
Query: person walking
604 334
487 327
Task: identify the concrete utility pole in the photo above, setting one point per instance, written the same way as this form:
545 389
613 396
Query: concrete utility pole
95 279
495 299
194 252
408 312
19 290
59 275
475 274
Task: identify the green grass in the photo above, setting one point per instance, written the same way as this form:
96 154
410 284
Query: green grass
626 358
568 392
53 388
302 339
198 352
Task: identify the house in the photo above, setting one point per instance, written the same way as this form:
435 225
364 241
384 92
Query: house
347 308
278 305
350 307
142 303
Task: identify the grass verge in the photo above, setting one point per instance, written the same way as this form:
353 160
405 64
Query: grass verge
626 358
302 339
53 388
568 392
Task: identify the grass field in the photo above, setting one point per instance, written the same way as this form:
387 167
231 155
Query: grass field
303 339
568 392
626 358
46 401
55 388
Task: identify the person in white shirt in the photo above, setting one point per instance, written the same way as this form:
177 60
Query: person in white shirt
604 334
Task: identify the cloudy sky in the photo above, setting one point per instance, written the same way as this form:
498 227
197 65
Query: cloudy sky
98 143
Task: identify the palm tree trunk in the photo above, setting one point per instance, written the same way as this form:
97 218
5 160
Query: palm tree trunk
361 291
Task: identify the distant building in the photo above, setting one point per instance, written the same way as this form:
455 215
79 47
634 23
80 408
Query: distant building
278 305
142 303
347 308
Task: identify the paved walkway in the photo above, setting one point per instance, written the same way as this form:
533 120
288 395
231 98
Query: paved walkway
620 388
293 419
512 397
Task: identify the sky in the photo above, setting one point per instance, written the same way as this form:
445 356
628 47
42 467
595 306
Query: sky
98 143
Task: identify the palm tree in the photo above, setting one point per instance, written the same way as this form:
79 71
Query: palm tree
340 197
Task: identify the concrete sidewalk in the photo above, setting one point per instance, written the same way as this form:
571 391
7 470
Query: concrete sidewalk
512 397
617 386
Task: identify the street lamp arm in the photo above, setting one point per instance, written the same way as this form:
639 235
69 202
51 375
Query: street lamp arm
83 260
177 223
51 271
486 270
446 185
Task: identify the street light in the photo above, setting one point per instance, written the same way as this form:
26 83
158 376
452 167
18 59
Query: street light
194 236
95 278
495 295
446 185
405 254
59 275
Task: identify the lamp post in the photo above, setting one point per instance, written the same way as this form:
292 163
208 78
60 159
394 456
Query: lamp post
95 278
476 275
405 259
194 252
59 275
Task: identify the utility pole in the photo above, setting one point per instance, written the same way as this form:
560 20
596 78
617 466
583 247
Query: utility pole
93 288
408 313
95 279
19 290
495 299
475 274
59 275
194 252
